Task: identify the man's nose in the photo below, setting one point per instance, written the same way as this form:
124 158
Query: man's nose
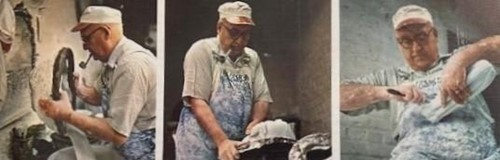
415 46
240 40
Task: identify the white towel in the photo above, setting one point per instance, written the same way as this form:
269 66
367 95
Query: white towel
264 131
81 144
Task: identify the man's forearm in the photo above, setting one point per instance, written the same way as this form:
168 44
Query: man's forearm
259 111
96 126
207 121
488 48
91 96
357 96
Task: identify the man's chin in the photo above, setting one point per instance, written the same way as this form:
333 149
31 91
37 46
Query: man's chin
422 67
236 52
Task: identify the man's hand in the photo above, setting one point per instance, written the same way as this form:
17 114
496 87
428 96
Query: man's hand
59 110
86 93
453 84
80 85
227 150
411 93
250 126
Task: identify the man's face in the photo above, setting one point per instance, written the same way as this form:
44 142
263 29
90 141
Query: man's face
93 40
418 43
234 37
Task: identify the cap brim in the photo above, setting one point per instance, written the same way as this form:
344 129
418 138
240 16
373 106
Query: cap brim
411 21
240 21
79 27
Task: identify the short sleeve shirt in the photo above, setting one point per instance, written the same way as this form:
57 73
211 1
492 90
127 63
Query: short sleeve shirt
229 87
205 62
131 78
396 76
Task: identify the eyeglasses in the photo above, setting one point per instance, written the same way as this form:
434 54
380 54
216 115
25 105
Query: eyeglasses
421 39
235 33
86 38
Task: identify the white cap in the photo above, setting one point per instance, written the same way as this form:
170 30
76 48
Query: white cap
98 15
411 14
7 22
236 13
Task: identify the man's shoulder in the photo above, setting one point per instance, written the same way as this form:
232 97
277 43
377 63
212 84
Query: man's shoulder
135 54
132 46
203 47
252 53
380 75
205 43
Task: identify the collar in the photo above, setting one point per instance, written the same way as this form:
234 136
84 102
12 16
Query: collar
438 65
116 53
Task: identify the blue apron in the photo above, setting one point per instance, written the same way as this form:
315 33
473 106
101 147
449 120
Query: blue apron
463 134
231 104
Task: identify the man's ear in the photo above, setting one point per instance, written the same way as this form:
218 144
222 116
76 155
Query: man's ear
435 31
107 28
218 28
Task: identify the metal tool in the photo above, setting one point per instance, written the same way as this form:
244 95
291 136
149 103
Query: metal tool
63 74
395 92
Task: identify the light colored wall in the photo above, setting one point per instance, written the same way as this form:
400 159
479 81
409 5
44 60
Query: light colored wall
51 22
52 31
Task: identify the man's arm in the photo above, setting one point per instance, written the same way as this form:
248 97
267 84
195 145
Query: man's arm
262 96
487 48
453 82
87 93
356 96
207 121
96 126
61 110
259 114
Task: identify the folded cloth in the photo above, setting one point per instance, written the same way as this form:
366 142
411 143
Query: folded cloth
267 132
480 75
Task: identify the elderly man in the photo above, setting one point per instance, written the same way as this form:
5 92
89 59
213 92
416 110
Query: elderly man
225 91
465 133
128 87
